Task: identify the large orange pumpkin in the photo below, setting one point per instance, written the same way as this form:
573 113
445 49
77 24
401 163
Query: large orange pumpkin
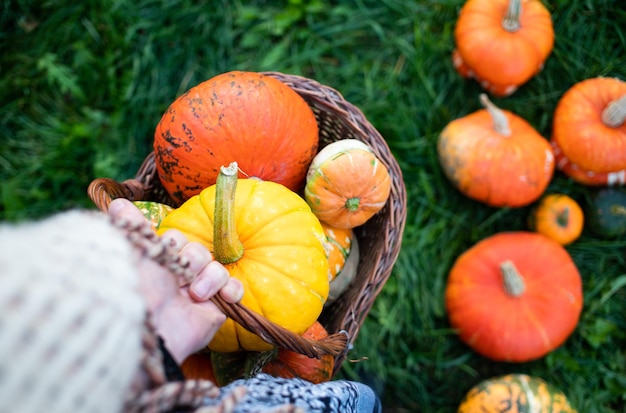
496 157
589 125
514 296
502 43
247 117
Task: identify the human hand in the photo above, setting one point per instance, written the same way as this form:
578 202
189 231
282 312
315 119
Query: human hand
184 318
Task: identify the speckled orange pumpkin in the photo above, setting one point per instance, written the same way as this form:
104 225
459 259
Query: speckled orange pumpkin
247 117
496 157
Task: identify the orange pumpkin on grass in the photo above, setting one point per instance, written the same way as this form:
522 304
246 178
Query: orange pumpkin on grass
496 157
559 217
514 296
589 131
502 43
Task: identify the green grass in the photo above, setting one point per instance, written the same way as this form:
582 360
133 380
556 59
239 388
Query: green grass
83 84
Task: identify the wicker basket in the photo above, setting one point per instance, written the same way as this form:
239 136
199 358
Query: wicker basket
379 238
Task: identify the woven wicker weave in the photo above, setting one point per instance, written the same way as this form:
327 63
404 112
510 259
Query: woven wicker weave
379 238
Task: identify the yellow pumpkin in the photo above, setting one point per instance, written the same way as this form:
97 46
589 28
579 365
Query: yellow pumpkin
268 238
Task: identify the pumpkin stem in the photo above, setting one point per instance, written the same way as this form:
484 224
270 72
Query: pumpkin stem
352 204
614 114
510 22
226 244
619 210
513 282
500 122
562 218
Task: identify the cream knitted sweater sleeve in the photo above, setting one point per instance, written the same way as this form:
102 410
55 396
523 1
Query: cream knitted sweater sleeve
71 317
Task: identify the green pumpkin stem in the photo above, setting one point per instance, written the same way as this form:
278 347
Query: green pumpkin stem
500 122
226 244
510 22
562 218
352 204
513 282
618 210
614 115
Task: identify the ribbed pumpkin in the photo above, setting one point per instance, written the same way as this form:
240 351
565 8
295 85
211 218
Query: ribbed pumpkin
515 393
606 210
496 157
514 296
502 43
589 125
343 259
346 184
268 238
247 117
559 217
339 247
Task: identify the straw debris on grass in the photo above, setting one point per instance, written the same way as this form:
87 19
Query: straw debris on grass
84 84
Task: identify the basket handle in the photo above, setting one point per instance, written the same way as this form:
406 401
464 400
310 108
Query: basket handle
103 190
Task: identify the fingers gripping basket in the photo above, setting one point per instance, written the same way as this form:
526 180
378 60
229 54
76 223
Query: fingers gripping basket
379 238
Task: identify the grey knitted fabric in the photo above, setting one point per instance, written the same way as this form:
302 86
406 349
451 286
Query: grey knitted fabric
70 315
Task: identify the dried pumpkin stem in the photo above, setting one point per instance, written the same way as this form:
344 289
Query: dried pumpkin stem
513 282
562 218
228 247
619 210
500 122
510 22
614 114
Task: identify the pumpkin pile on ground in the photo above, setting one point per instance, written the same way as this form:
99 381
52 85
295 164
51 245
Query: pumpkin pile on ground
516 296
239 156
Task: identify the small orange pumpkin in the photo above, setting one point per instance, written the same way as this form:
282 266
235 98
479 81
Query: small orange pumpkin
559 217
247 117
496 157
589 125
502 43
289 364
346 184
514 296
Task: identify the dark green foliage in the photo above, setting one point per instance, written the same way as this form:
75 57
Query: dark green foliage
84 83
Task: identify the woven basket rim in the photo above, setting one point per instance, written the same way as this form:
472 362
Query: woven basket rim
383 232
